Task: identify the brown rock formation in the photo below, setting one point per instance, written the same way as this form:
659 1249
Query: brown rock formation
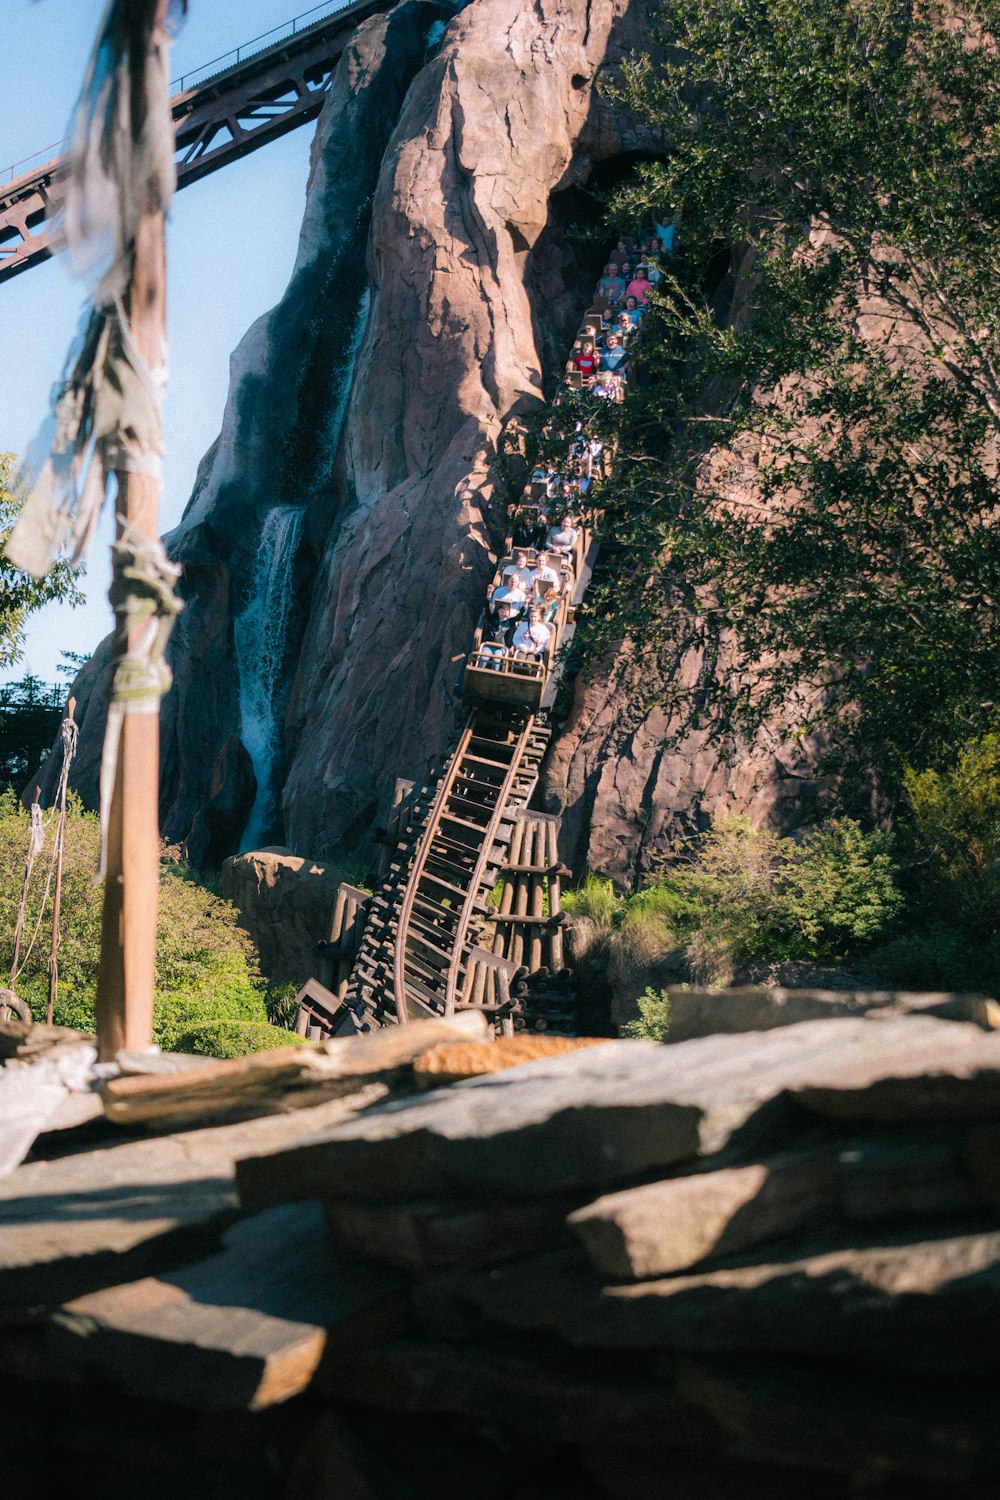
456 154
286 903
501 121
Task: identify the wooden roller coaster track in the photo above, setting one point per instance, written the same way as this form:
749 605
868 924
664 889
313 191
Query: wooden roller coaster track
418 956
432 940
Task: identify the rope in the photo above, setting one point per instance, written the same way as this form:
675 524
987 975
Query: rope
70 735
36 841
142 596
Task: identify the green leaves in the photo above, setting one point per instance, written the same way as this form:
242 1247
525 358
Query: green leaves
20 595
816 504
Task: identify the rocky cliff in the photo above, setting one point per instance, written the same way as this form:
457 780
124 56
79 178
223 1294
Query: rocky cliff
343 527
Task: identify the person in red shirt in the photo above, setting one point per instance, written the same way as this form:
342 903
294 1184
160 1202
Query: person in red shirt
586 361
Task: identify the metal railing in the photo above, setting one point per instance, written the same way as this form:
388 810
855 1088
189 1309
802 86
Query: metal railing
245 50
221 64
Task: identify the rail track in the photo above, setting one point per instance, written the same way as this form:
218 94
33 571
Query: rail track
467 915
417 955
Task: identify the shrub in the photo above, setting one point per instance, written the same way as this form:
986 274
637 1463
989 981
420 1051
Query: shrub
954 837
654 1017
838 891
729 884
596 900
743 895
206 965
235 1038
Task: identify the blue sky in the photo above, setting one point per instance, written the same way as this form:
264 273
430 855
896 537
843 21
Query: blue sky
231 245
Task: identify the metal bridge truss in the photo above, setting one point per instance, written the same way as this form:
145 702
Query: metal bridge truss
218 121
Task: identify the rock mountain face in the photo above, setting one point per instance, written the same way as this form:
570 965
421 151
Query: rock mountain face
342 528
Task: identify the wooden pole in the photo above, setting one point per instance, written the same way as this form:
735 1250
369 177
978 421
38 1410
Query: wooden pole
124 1008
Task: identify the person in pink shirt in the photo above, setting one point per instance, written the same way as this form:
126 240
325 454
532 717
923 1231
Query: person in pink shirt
638 287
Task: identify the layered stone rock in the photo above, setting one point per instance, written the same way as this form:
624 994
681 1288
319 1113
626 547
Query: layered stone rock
446 168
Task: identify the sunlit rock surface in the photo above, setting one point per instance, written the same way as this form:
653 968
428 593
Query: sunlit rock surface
342 528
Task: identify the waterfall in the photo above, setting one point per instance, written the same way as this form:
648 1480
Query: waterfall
261 637
261 630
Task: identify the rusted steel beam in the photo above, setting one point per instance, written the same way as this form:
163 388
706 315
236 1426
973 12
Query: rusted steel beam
218 121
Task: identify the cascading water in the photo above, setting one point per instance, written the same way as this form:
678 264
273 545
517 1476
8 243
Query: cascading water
261 631
261 636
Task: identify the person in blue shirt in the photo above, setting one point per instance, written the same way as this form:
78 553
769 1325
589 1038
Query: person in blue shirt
666 234
613 354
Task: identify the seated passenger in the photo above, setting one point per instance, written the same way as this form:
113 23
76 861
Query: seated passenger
611 284
666 234
532 635
519 570
613 354
619 254
562 537
639 287
544 574
633 310
606 387
513 595
498 634
586 360
550 604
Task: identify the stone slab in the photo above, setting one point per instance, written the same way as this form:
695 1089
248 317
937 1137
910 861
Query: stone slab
283 1078
852 1421
244 1329
944 1078
605 1114
429 1236
662 1227
543 1393
905 1303
699 1013
670 1226
130 1207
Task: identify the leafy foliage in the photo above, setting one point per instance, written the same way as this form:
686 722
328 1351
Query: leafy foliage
206 967
235 1038
20 595
654 1016
809 492
741 894
30 714
950 845
955 836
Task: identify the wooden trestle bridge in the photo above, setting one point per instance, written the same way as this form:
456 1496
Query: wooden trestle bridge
468 914
221 111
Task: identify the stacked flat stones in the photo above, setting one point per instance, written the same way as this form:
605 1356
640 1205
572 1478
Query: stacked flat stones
741 1265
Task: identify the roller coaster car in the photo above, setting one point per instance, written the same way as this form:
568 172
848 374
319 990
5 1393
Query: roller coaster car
520 679
510 679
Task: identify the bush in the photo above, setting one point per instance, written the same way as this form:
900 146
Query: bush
954 837
206 965
654 1017
838 891
745 895
596 900
235 1038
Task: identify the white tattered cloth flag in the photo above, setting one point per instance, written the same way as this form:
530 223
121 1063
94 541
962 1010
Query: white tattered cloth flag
107 410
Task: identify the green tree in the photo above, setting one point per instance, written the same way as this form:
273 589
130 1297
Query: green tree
30 714
809 474
20 595
208 988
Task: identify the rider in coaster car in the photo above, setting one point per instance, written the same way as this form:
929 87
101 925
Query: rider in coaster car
532 635
498 635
